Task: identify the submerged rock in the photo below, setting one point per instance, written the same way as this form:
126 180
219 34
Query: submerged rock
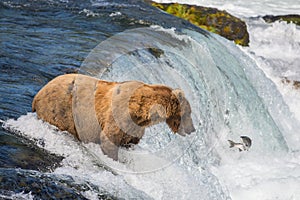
211 19
156 52
288 18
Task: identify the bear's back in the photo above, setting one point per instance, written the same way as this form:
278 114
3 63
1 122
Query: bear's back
53 103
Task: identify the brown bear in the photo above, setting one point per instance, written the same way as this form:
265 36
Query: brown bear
112 114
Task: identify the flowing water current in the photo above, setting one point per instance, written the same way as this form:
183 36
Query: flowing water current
229 93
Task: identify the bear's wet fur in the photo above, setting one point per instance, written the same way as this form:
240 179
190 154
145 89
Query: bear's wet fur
112 114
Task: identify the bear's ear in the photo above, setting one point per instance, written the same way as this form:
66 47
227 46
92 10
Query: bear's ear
179 94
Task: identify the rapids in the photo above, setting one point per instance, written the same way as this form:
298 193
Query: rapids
229 94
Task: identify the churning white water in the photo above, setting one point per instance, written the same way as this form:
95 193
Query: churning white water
231 93
230 96
275 48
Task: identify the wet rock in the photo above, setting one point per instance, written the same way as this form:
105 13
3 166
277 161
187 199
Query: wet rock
157 53
17 152
44 186
288 18
294 83
211 19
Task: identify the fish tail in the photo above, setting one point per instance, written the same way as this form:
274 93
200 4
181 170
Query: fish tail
231 143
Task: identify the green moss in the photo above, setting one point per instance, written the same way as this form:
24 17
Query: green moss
227 29
288 18
210 19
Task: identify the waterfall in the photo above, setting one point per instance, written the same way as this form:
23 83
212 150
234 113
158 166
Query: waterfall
229 96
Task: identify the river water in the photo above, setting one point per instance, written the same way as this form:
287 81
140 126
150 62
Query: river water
233 91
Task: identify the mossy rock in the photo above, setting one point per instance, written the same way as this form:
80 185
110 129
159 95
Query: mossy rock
211 19
288 18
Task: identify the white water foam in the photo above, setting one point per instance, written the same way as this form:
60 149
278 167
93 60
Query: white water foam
82 163
89 13
252 177
275 48
247 8
17 196
78 162
246 175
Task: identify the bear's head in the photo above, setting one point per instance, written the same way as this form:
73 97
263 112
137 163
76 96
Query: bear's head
180 120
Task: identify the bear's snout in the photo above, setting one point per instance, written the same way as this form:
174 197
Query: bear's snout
190 129
186 129
188 125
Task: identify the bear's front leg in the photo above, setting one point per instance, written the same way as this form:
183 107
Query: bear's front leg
111 137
